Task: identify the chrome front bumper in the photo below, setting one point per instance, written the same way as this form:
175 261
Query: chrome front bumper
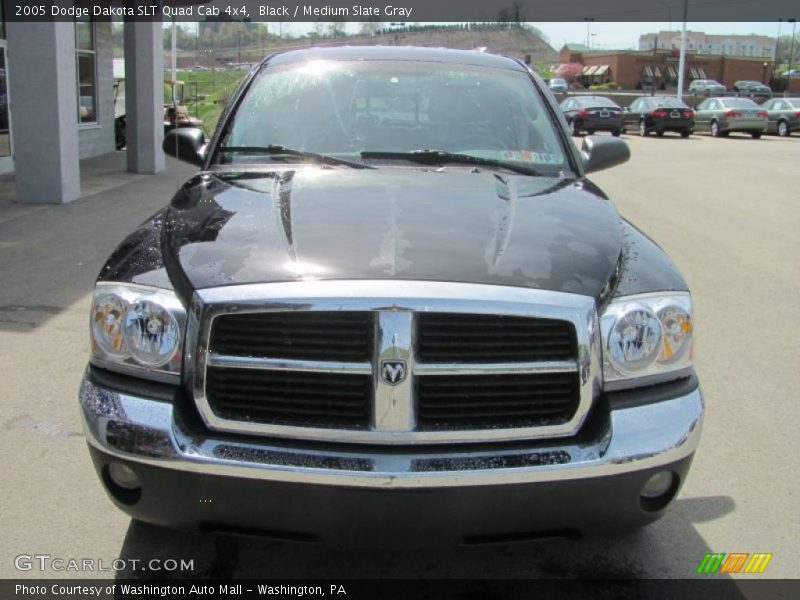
150 432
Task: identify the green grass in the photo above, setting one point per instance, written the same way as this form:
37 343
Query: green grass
215 86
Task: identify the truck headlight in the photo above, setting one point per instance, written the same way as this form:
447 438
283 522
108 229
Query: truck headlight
647 338
137 330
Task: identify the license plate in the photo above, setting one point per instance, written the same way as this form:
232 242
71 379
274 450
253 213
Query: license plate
604 114
675 114
750 116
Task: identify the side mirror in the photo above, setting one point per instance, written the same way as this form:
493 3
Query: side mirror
187 144
600 153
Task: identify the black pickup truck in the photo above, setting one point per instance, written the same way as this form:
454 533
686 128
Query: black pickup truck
391 307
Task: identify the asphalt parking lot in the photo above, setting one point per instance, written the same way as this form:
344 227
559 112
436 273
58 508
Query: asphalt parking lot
726 210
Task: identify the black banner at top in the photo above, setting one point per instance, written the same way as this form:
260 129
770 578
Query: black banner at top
407 11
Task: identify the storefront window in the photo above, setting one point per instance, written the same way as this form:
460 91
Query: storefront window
85 60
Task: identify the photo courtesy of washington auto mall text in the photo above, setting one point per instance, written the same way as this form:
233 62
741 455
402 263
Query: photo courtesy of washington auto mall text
77 590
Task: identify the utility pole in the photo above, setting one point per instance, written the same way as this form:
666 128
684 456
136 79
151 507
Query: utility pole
653 74
588 30
775 75
791 59
682 61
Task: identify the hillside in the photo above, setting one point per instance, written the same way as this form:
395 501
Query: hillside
515 41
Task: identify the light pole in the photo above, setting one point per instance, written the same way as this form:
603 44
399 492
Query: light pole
588 30
682 60
791 58
776 78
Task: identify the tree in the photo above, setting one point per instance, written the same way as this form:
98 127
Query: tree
319 29
370 27
336 28
785 46
569 71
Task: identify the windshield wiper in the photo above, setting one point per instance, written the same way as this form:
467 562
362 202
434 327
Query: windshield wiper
276 150
443 156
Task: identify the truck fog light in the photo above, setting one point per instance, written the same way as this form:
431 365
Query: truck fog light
123 476
658 485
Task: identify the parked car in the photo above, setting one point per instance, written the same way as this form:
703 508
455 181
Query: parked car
659 114
592 113
721 116
391 303
752 88
783 115
706 87
558 85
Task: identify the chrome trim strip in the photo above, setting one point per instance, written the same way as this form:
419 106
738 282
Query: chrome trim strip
285 364
136 370
396 297
394 402
147 432
565 366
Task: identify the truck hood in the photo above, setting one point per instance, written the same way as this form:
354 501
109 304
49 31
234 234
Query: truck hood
456 224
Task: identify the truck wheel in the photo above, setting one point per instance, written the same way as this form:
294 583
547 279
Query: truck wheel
756 135
783 128
714 129
660 133
616 132
685 133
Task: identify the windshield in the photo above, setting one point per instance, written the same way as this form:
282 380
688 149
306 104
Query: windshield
668 103
342 108
598 101
739 103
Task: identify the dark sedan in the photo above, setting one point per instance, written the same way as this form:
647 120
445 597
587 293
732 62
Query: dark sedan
659 114
752 88
592 113
783 115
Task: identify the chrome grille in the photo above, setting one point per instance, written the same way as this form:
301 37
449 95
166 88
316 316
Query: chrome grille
393 362
468 338
288 397
295 335
485 401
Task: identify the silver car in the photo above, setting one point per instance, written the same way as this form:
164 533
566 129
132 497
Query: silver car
720 116
558 85
706 87
783 115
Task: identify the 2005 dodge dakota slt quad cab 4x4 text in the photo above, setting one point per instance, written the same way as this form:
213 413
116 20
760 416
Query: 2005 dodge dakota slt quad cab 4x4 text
391 307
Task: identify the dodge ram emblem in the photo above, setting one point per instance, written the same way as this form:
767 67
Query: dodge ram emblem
393 372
